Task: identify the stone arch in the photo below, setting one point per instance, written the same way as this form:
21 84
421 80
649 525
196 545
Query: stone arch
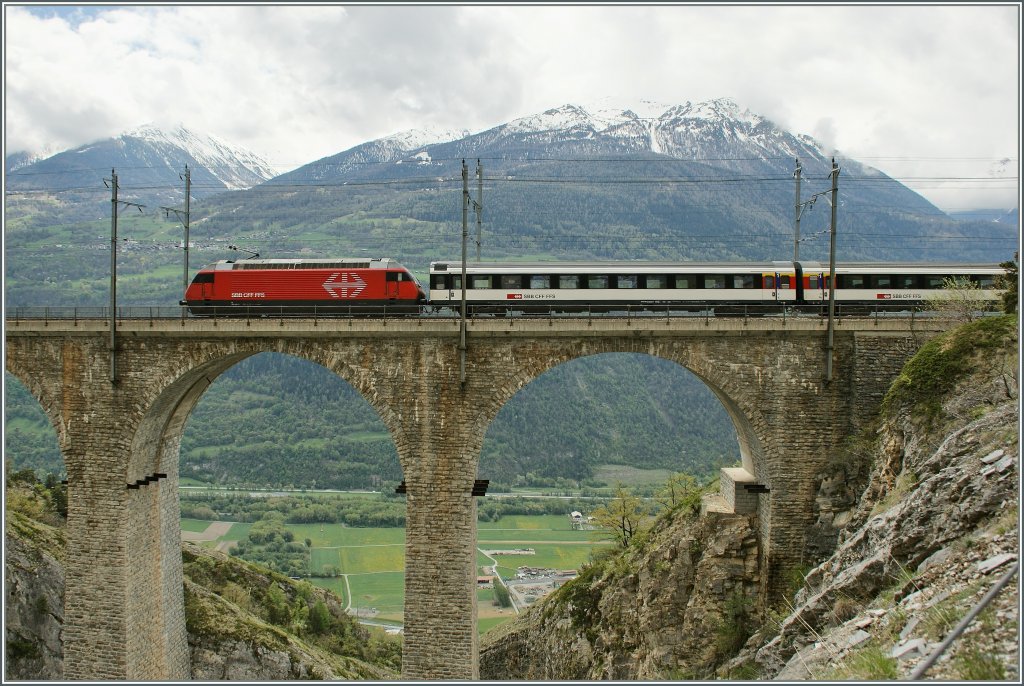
754 441
51 427
36 386
156 640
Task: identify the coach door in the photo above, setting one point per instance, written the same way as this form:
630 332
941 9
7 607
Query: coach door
780 287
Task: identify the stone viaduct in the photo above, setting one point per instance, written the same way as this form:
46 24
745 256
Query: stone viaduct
124 613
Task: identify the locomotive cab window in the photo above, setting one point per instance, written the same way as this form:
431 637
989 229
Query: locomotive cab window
202 277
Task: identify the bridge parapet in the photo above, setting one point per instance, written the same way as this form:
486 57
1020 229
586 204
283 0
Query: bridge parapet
481 326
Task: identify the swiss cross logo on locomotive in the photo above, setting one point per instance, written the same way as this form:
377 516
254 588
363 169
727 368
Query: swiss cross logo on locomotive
513 296
344 285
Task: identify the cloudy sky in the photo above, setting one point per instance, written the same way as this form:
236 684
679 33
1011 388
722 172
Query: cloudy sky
928 94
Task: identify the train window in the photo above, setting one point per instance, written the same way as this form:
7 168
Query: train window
627 281
511 281
686 281
569 281
814 281
456 281
904 281
984 280
769 281
540 281
656 281
785 281
743 281
934 282
882 282
851 281
597 281
714 281
480 282
437 281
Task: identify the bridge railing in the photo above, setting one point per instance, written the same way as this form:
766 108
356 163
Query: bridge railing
145 312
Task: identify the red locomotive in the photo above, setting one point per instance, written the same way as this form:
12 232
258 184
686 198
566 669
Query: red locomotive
262 287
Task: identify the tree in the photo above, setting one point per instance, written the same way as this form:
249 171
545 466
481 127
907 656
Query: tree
621 518
678 488
959 298
1008 284
501 594
319 618
277 608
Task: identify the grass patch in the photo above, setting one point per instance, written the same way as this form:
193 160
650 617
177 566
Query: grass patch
905 482
194 525
975 665
631 476
384 591
943 361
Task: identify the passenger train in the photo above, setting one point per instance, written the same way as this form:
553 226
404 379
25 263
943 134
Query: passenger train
348 287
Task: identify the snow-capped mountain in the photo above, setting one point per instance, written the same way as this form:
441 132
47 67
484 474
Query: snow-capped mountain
393 148
235 167
717 132
150 162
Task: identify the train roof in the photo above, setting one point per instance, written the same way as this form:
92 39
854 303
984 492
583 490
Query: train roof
307 263
744 267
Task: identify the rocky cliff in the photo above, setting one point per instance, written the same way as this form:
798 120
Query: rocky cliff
670 606
933 528
33 598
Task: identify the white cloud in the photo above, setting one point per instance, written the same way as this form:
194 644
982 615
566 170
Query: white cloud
903 88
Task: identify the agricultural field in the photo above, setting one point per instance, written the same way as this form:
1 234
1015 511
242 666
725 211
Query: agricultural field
366 566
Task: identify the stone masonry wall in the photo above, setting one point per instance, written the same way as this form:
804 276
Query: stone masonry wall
124 616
